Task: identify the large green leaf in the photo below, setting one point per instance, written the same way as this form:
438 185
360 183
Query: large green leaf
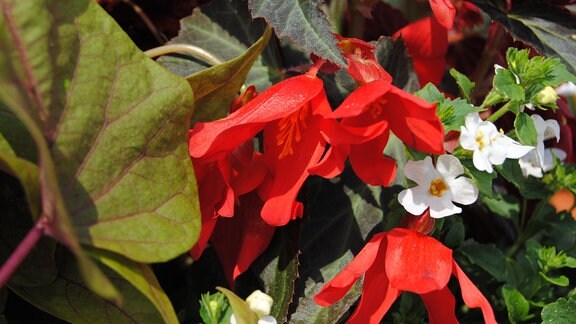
546 27
303 22
225 29
345 209
69 298
216 87
563 311
110 126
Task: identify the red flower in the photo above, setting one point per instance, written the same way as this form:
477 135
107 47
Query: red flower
427 44
404 260
367 116
444 11
290 113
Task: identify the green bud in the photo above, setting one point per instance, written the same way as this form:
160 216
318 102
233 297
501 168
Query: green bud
547 96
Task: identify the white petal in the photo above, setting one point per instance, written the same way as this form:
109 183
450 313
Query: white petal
442 207
513 149
566 89
548 163
232 319
472 121
481 162
414 201
463 191
468 139
267 320
552 130
449 166
422 172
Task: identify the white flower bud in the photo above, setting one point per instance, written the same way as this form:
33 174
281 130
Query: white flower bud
260 303
547 96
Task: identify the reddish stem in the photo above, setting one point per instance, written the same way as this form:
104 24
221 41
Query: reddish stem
21 252
316 67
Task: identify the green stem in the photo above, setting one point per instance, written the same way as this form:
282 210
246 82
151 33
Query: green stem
500 112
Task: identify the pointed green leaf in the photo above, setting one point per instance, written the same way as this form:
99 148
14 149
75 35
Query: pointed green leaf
242 313
463 82
303 22
517 305
111 139
142 278
561 281
216 87
69 298
525 129
488 257
226 30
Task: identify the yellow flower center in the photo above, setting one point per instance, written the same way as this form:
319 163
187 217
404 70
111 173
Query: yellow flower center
290 130
480 140
438 187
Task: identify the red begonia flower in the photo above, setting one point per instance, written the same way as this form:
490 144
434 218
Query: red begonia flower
291 114
404 260
427 43
239 240
444 11
367 116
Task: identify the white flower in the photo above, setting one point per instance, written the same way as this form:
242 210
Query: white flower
541 159
437 187
490 146
566 89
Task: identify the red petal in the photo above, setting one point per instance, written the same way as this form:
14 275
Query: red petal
414 121
370 164
357 102
473 297
425 38
333 162
291 147
239 240
429 70
377 295
441 306
416 262
205 234
444 11
343 281
212 140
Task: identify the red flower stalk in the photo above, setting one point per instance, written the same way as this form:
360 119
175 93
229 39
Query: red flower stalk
290 113
427 43
404 260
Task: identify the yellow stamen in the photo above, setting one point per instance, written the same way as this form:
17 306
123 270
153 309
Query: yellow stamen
438 187
290 129
480 140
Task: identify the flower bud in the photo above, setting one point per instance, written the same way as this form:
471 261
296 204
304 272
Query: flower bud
260 303
547 96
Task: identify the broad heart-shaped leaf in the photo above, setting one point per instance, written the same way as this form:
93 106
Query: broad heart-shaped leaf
225 29
562 311
303 22
110 126
69 298
216 87
340 216
547 28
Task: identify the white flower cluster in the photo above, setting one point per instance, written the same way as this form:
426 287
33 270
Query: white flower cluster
261 304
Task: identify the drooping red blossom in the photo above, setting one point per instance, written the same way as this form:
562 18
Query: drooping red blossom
444 11
362 63
290 113
367 116
404 260
239 240
427 43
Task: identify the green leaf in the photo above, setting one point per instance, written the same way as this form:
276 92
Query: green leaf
463 82
111 139
243 313
562 311
142 278
17 136
303 22
226 30
561 281
69 298
393 57
525 129
517 305
215 88
278 269
487 257
506 85
345 208
506 206
530 187
544 26
482 180
455 234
